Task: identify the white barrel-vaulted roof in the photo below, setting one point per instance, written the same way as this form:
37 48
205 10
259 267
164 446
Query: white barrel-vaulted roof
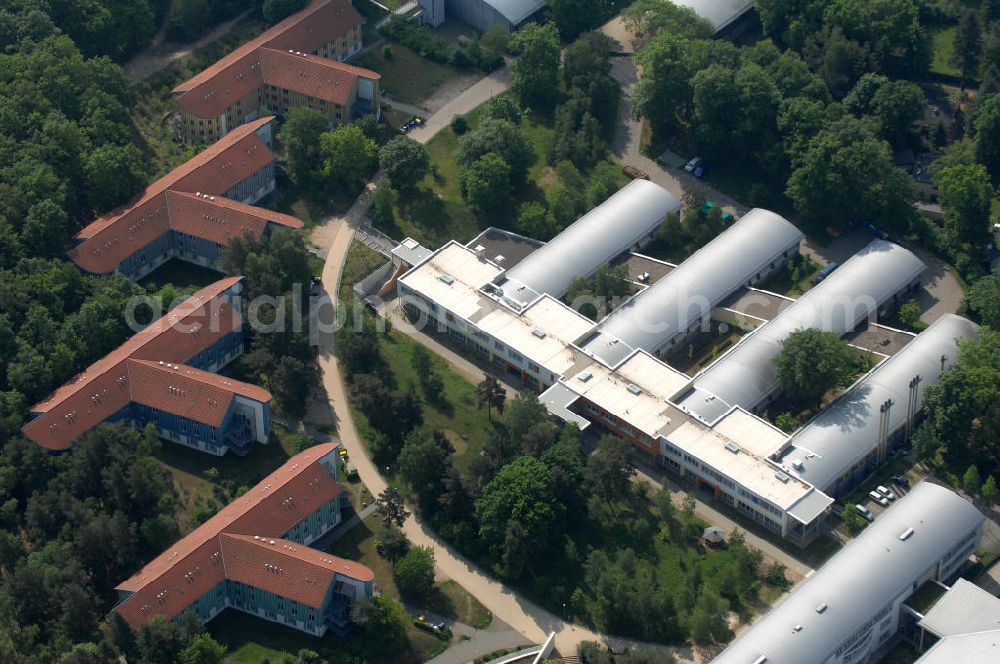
630 215
844 433
746 374
689 292
870 572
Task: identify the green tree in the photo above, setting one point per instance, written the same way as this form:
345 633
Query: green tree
404 161
349 156
897 105
422 462
113 175
535 74
573 17
787 422
855 522
414 572
392 508
490 393
970 480
966 196
202 649
502 107
812 361
275 10
967 46
534 221
963 409
300 136
486 184
776 576
383 206
610 469
847 174
909 314
987 142
651 17
984 300
522 491
387 624
499 137
989 490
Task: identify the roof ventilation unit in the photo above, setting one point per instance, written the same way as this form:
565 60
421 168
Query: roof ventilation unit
480 251
634 389
782 477
500 258
797 464
905 535
585 376
538 333
733 447
761 660
447 279
821 607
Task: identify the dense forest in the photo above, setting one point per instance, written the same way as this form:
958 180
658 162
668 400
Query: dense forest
74 526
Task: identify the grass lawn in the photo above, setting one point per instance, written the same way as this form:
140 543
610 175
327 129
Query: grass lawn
406 76
437 213
944 50
360 262
182 275
195 489
155 104
457 414
451 600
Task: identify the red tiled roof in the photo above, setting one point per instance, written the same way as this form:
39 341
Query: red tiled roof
285 568
231 78
218 219
182 390
230 160
309 75
188 202
102 389
186 571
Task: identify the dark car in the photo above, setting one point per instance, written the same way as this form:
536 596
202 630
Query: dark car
901 481
703 170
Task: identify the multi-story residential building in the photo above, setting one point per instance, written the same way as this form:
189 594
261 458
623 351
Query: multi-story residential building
609 377
164 375
298 62
850 610
190 213
253 556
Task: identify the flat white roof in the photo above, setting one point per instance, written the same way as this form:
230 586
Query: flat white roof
639 403
542 332
744 466
452 278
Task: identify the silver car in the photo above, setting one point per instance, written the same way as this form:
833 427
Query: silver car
693 164
878 498
885 492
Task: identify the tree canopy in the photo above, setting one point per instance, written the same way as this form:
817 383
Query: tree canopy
812 362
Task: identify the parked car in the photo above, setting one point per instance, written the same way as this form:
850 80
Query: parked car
693 164
885 492
878 498
702 170
315 286
826 271
864 511
901 481
439 629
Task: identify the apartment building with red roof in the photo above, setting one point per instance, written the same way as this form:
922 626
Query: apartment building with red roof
253 556
190 213
297 62
164 375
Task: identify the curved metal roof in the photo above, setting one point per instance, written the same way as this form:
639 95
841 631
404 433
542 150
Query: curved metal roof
868 573
516 11
632 213
849 428
691 290
746 374
720 12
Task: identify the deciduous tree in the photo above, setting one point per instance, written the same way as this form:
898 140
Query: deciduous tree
812 361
